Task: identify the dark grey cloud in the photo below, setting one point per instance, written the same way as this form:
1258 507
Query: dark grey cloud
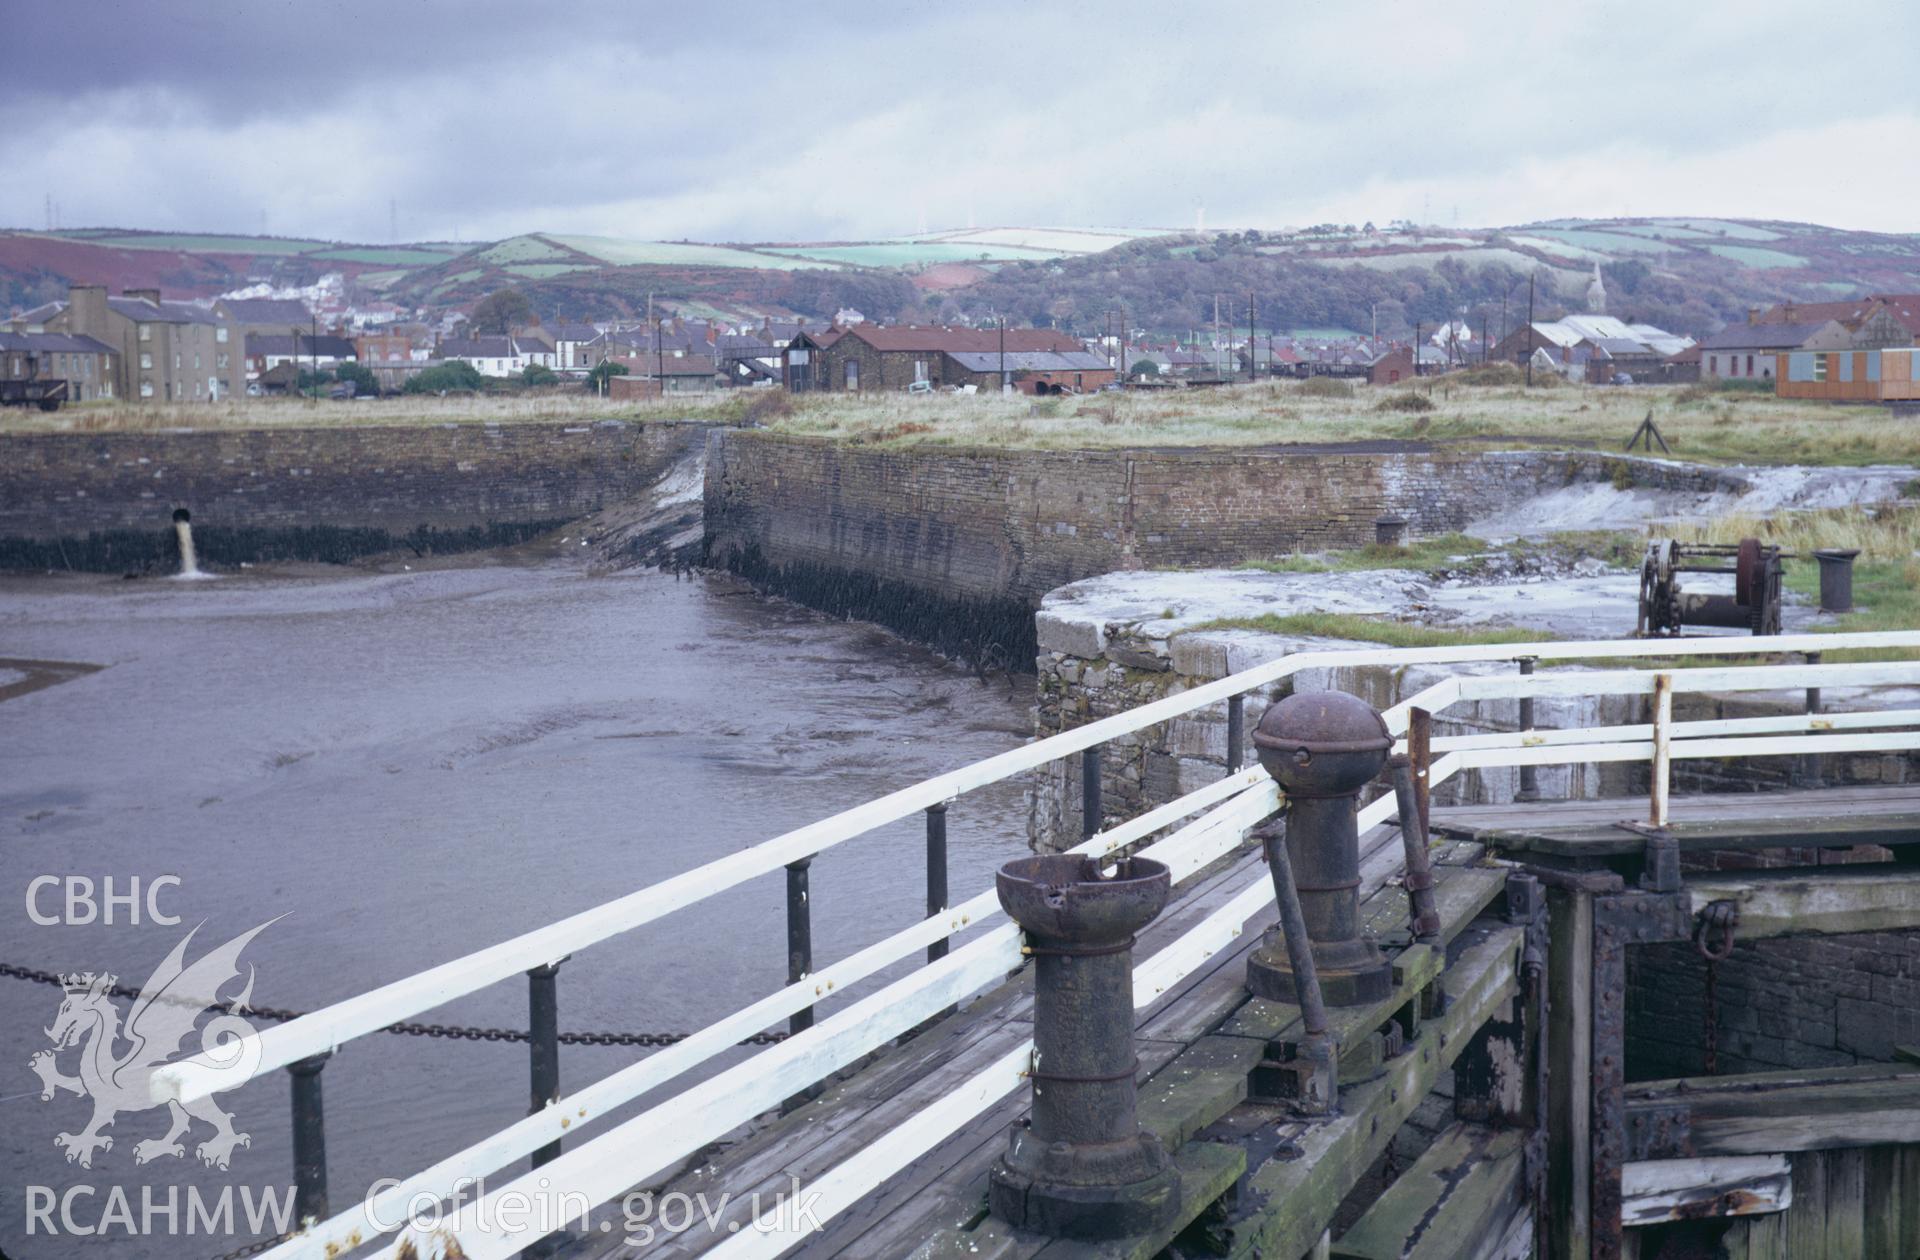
777 121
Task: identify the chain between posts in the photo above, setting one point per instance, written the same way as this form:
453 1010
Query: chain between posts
458 1032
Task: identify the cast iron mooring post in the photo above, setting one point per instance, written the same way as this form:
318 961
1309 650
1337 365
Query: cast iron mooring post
1323 747
1080 1166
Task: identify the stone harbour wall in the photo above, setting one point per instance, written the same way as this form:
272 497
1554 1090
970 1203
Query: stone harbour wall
104 501
911 537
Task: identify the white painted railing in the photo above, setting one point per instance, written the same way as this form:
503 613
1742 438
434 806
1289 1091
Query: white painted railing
643 1145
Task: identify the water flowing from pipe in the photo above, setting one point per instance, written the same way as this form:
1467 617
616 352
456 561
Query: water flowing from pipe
183 530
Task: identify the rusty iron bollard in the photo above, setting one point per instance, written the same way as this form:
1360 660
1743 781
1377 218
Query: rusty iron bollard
1836 578
1323 747
1080 1166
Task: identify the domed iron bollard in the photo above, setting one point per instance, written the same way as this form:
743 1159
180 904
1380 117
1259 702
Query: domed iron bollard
1322 747
1080 1167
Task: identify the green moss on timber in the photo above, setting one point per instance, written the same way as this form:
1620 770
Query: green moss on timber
1375 630
152 550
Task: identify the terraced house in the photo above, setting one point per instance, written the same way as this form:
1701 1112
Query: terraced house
162 351
84 364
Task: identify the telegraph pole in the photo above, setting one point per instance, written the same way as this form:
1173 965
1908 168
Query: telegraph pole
1003 354
1123 345
1416 348
1251 375
1529 330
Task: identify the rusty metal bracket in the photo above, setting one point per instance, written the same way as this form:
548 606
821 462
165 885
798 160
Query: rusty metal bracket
1642 918
1661 857
1664 1132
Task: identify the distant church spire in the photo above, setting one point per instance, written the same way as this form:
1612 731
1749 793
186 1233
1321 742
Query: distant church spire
1596 294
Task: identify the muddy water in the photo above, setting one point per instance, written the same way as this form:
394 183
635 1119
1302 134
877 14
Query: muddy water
410 766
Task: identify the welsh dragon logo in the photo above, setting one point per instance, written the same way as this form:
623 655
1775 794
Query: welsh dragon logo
164 1015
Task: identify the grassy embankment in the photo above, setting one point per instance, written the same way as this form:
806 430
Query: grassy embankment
1700 423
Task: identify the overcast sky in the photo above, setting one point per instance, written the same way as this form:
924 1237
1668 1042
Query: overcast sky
809 121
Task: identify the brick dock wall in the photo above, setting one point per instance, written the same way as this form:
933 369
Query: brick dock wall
930 539
104 501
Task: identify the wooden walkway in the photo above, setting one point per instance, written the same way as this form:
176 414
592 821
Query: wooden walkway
945 1190
1197 1046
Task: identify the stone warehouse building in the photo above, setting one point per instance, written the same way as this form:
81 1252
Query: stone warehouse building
867 357
163 351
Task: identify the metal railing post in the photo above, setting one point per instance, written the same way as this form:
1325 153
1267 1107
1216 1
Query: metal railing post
799 960
937 873
309 1140
1806 767
1090 792
543 1047
1662 749
799 938
1236 733
1420 753
1529 775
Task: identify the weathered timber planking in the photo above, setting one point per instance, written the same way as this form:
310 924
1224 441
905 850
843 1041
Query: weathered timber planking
1834 901
1458 1199
1204 1082
945 1185
944 1188
1886 1203
1655 1190
1765 1112
1207 1171
900 1082
1807 1220
1757 1238
1292 1201
822 1133
950 1193
1475 822
1748 826
1570 1082
1460 893
1846 1202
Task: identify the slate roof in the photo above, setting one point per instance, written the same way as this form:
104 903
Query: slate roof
934 339
41 313
326 345
53 343
1765 336
1030 360
667 365
471 348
